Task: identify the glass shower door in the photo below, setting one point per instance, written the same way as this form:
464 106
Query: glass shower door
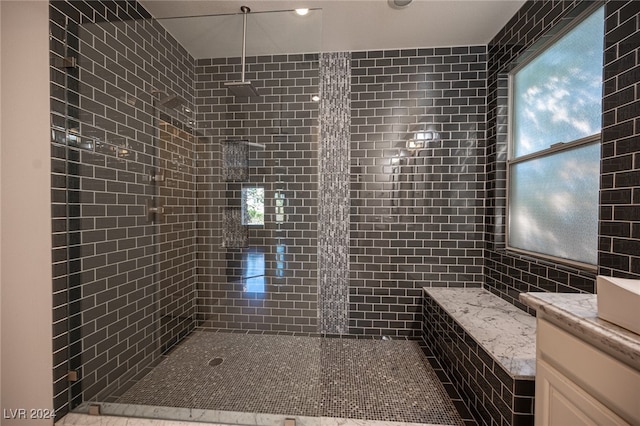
170 260
124 204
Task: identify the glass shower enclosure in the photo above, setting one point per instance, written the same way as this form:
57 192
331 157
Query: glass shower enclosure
185 218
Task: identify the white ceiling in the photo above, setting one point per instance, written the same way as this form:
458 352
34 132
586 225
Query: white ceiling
337 26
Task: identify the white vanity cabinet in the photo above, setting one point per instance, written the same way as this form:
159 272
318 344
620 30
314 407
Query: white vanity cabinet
587 370
577 384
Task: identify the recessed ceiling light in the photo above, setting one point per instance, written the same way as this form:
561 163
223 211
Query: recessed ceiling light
399 4
302 12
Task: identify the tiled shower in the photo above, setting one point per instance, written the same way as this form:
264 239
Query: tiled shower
392 181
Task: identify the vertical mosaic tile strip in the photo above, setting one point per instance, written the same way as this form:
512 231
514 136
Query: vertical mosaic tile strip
333 192
235 160
235 234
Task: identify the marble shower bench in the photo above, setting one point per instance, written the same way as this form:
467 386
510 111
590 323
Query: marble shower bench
487 347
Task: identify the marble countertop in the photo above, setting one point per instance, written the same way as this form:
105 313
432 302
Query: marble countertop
577 314
507 333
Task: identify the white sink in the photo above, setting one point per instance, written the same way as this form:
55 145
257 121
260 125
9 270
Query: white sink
619 302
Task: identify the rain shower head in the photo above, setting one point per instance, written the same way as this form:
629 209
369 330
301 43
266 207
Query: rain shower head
243 88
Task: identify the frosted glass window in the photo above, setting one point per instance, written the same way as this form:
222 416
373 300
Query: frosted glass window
557 96
553 204
554 156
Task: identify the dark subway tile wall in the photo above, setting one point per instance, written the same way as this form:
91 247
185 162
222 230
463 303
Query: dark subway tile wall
123 285
508 274
619 245
282 296
489 392
417 181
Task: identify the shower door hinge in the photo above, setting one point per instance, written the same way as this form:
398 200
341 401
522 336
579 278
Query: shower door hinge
156 177
72 375
155 211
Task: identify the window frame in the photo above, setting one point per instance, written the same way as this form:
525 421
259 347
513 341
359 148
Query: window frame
555 35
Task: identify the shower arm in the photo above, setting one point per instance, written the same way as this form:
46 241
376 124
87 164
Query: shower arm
243 88
245 10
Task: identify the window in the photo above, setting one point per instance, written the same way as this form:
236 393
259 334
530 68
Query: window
253 205
554 156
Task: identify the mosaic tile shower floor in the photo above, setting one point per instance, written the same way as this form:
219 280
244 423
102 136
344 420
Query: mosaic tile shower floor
389 380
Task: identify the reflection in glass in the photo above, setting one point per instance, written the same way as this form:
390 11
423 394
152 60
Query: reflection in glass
281 264
253 205
235 160
280 204
253 271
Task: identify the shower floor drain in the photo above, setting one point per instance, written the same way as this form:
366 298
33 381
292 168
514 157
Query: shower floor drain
215 362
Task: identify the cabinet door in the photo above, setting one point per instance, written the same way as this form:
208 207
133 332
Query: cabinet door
561 402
